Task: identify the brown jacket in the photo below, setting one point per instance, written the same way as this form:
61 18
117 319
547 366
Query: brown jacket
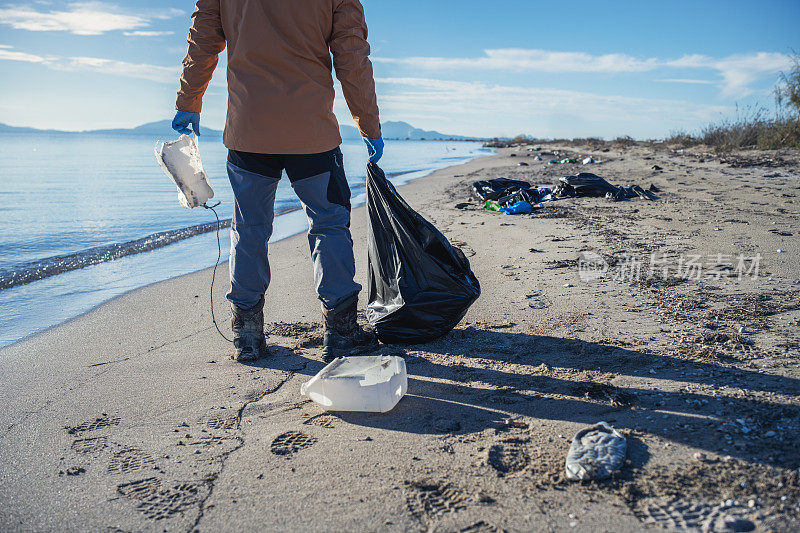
280 88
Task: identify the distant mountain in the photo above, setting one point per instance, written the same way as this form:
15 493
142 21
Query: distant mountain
391 130
404 130
5 128
162 127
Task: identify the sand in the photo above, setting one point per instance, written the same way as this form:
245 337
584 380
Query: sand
133 418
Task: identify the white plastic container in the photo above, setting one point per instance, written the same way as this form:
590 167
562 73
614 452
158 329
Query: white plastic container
369 384
181 163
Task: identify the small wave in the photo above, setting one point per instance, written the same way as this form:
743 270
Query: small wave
399 173
50 266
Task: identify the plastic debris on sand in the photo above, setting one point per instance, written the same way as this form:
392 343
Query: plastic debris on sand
502 192
596 452
518 208
367 384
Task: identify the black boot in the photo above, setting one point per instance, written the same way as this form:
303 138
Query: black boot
343 336
248 333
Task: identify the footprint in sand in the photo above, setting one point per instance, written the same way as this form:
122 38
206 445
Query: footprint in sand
508 456
129 459
291 442
220 422
482 527
102 422
173 500
427 500
681 515
325 420
140 489
90 445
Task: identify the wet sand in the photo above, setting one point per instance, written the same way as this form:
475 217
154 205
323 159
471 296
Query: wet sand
132 417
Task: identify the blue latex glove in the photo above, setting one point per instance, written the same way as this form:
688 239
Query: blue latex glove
182 120
374 149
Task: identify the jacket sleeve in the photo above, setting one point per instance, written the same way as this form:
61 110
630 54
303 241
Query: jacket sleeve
348 44
206 41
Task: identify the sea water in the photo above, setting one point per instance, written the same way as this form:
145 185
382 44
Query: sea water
91 217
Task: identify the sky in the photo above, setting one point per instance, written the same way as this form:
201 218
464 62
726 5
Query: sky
466 67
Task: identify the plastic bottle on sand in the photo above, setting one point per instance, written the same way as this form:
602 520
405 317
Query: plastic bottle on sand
372 383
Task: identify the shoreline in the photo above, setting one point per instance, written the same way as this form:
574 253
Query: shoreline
701 376
52 266
359 201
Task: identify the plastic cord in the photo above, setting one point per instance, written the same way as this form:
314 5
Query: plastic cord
214 273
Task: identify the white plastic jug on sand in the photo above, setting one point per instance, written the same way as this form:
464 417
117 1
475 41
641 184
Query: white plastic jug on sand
181 163
369 384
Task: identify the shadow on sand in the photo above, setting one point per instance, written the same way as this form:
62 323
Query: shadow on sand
518 374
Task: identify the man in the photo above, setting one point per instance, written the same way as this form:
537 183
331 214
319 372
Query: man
280 117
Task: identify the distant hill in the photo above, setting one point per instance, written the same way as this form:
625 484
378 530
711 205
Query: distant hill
162 127
404 130
391 130
5 128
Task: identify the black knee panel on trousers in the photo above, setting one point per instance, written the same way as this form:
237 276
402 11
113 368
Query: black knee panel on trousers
298 167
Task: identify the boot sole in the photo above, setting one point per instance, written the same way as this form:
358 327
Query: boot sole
263 353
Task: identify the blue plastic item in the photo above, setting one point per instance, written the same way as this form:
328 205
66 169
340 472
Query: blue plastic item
519 208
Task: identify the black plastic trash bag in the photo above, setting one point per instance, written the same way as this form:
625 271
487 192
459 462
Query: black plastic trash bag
584 184
496 188
420 286
530 195
588 184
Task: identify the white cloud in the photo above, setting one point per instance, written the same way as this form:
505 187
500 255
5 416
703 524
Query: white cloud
517 59
141 33
83 18
9 55
112 67
685 80
477 108
119 68
168 14
737 72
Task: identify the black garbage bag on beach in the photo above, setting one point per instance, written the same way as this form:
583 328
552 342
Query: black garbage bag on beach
419 285
588 184
584 184
529 194
496 188
623 193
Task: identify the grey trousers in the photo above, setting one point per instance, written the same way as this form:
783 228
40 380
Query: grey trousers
320 183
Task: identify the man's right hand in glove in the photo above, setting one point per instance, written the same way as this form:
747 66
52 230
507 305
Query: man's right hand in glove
182 120
374 149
